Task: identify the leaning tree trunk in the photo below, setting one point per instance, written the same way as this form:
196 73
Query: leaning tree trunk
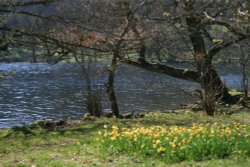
208 75
221 89
110 84
185 74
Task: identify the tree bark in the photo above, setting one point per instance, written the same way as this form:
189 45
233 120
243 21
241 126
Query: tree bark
110 84
221 89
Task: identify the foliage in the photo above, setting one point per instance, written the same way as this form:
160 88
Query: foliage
177 143
235 92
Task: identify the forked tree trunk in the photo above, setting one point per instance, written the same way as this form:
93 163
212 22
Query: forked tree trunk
204 65
210 82
110 84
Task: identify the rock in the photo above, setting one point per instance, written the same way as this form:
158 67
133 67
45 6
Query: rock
127 115
107 114
132 115
49 124
61 123
88 117
139 115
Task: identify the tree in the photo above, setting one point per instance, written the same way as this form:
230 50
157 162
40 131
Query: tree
110 28
195 19
123 26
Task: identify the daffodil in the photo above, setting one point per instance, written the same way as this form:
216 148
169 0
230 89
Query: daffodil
161 149
157 142
115 128
113 138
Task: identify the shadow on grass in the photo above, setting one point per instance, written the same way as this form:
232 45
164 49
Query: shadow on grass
85 128
167 120
36 130
188 119
25 131
81 130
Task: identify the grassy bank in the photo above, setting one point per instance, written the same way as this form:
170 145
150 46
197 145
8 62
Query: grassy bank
74 144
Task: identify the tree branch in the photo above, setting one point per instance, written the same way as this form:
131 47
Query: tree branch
220 46
165 69
29 3
49 39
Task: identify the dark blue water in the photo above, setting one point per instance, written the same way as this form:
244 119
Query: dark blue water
30 92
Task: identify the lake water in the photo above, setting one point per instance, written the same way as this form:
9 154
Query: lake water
30 92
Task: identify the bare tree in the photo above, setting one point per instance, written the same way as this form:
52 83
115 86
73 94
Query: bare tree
116 26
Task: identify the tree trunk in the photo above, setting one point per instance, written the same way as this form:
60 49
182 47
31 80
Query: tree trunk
213 87
221 90
243 62
110 84
244 83
208 75
34 56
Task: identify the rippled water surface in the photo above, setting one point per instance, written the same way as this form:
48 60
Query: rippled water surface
30 92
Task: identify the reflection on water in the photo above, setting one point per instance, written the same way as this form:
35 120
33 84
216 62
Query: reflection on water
32 92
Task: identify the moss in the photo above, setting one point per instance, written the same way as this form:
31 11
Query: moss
234 92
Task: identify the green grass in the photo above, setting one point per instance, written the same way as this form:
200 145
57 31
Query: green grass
35 146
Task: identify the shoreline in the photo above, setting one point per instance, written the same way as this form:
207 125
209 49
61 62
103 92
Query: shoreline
75 143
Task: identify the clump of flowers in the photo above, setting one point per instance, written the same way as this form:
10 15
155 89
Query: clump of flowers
178 143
